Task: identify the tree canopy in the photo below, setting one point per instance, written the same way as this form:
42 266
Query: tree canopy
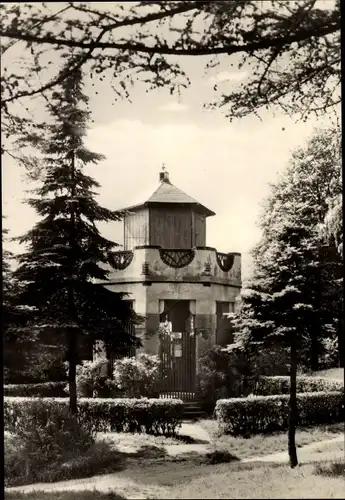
289 50
294 300
296 282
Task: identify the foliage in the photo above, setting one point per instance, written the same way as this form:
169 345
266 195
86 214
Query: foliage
213 377
265 414
46 389
66 256
294 300
288 53
20 349
31 361
271 362
157 416
92 377
330 355
100 457
222 374
295 279
48 435
268 386
331 228
137 377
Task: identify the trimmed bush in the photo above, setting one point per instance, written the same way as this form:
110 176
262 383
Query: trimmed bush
268 386
264 414
152 416
45 389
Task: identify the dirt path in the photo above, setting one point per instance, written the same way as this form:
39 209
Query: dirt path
312 452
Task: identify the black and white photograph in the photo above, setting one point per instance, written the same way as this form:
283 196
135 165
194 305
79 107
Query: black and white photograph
172 250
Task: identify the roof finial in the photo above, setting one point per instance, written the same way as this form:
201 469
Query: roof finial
164 174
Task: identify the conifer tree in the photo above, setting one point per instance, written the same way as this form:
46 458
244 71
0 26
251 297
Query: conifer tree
8 311
66 255
280 308
293 297
17 344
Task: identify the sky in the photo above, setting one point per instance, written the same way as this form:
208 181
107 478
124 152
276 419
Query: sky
225 166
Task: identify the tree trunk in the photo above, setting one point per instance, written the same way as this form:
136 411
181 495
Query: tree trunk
293 405
314 354
341 343
72 373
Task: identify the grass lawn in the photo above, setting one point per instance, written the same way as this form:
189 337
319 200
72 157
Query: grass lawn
335 446
125 441
260 482
123 451
331 373
182 481
261 445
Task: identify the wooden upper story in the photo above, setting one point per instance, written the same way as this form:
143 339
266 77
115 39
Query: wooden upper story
165 240
170 219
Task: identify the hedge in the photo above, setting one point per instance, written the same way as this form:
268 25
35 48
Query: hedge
268 386
263 414
45 389
152 416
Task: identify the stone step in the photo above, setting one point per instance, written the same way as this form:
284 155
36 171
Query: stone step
193 411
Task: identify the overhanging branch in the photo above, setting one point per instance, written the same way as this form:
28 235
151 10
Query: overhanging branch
264 43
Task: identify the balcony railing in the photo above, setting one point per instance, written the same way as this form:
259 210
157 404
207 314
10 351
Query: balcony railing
154 263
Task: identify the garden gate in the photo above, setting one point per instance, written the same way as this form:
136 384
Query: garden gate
177 351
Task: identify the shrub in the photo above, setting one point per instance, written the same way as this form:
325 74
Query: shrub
268 386
223 374
330 355
101 457
46 389
92 377
158 416
213 377
15 463
45 435
263 414
137 377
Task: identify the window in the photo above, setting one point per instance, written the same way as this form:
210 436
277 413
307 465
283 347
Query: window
223 330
